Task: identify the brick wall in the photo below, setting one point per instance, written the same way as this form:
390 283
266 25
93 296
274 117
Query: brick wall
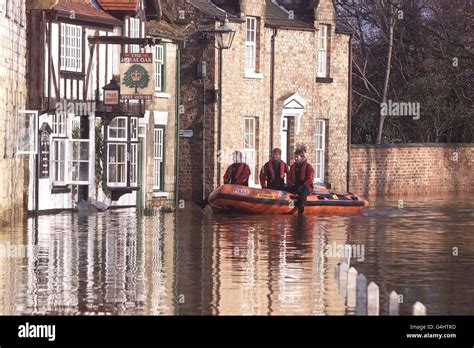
412 169
326 101
13 95
199 108
295 72
164 104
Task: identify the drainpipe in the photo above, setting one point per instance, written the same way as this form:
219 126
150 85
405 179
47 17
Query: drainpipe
50 62
177 117
272 87
203 136
37 162
349 116
219 122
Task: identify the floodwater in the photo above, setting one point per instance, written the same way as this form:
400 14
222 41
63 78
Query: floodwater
200 263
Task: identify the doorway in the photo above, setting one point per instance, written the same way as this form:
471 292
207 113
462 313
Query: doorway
288 139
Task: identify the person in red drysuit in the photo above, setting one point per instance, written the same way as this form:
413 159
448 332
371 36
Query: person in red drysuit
237 173
300 178
272 175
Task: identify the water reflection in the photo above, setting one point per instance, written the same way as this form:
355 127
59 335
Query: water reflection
196 262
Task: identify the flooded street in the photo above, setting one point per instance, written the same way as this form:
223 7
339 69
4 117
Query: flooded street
199 263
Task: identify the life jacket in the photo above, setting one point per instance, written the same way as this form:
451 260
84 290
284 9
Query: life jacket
237 176
237 173
306 175
272 172
304 167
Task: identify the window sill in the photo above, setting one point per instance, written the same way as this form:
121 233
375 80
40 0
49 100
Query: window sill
160 194
253 75
324 80
116 140
60 189
162 95
72 73
118 187
112 186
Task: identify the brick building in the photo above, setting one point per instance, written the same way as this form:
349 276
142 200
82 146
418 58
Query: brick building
285 81
13 45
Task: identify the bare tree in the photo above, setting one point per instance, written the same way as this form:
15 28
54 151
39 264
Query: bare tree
409 50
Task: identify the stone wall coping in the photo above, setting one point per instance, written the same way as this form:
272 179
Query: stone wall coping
364 146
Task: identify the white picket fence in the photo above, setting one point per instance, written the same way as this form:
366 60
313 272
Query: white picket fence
363 299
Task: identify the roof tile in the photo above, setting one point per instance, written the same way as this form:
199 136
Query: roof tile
277 16
211 9
118 5
84 8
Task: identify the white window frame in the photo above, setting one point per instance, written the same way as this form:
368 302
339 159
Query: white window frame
323 50
250 44
58 164
71 47
320 149
117 163
249 150
159 58
65 163
72 160
158 146
134 129
59 124
27 133
134 33
133 164
117 128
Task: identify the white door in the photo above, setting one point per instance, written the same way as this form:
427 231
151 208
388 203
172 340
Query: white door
284 139
249 152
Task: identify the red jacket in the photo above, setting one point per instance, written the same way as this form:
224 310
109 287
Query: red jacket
306 175
267 173
241 176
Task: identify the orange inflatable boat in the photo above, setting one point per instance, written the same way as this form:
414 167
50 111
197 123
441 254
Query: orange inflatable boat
264 201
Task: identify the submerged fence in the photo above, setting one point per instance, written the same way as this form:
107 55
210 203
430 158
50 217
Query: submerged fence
363 299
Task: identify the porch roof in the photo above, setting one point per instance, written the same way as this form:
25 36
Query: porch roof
119 5
165 26
85 8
